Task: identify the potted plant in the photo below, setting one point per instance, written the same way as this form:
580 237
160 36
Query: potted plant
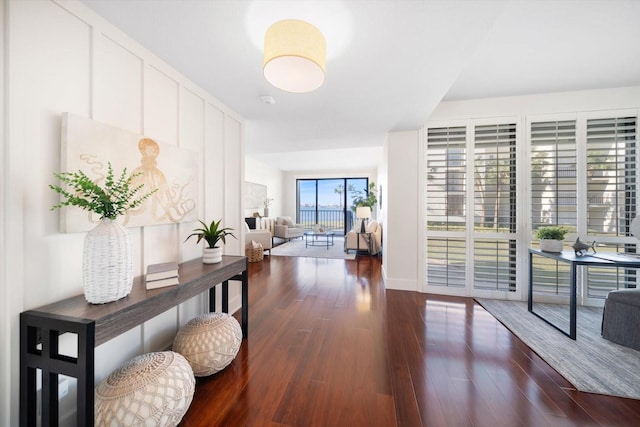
212 234
369 198
107 262
551 238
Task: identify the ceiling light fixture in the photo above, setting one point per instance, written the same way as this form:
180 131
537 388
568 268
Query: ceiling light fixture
294 56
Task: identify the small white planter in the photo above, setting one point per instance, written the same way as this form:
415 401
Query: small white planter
551 245
211 255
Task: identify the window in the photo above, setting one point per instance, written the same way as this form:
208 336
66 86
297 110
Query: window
553 173
494 179
492 175
611 175
581 173
446 174
329 202
611 181
611 196
553 195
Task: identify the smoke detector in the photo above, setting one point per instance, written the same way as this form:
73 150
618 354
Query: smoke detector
268 99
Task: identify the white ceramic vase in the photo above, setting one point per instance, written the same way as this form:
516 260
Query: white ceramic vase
551 245
212 255
107 263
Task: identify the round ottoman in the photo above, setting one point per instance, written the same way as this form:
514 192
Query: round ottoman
209 342
153 389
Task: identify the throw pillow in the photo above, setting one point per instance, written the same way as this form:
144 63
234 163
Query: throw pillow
288 222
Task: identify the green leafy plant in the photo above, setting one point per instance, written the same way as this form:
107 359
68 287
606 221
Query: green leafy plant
552 233
114 199
368 197
211 233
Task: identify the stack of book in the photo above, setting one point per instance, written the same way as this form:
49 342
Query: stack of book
161 275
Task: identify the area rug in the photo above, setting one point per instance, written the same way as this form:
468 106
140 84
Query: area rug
297 247
591 363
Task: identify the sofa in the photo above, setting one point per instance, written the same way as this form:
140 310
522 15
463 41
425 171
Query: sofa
286 229
351 239
260 236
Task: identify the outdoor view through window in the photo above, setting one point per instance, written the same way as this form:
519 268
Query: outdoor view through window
329 202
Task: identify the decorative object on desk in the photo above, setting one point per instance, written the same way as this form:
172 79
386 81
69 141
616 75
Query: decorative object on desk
107 262
162 275
363 213
209 342
551 238
163 270
267 203
581 248
319 228
162 283
212 234
153 389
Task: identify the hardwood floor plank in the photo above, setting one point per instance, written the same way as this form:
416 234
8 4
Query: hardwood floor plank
329 346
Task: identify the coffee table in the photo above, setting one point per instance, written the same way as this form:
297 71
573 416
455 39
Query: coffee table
314 238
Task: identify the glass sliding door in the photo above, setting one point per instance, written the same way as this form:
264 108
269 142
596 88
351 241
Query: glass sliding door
307 202
328 202
356 187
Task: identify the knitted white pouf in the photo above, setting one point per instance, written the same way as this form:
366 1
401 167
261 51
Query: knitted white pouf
209 342
153 389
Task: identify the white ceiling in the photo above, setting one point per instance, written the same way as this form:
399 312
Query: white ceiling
389 63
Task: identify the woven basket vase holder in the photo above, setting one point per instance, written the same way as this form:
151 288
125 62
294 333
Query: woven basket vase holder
107 264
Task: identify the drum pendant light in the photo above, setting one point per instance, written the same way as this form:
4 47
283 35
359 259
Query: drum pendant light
294 56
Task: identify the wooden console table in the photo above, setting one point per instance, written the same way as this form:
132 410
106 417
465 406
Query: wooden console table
97 324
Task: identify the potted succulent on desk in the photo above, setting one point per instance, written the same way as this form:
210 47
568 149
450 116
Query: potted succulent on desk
212 234
551 238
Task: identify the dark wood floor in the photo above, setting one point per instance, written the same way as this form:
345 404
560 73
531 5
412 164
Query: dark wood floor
328 346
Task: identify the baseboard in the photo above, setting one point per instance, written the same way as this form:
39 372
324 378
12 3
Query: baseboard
401 284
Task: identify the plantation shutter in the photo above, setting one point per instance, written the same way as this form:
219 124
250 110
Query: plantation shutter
445 157
553 173
612 173
446 161
553 194
495 206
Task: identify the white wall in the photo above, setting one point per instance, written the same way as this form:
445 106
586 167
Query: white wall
562 102
262 173
290 177
63 57
401 210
